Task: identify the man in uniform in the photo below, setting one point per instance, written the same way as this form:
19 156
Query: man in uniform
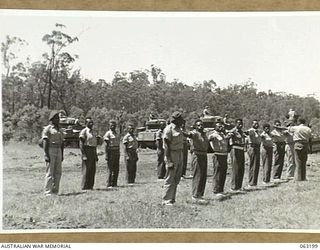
88 147
237 142
301 138
219 143
289 154
266 153
173 146
112 150
161 168
279 150
198 147
185 153
52 138
130 154
254 141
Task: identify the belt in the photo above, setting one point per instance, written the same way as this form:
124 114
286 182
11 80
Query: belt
280 142
53 145
254 145
220 153
238 147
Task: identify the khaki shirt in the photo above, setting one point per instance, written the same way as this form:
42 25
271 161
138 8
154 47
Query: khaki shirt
199 142
277 136
254 137
301 133
54 135
89 136
266 140
219 141
130 141
174 136
113 139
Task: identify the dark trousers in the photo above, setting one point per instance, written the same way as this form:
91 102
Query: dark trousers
279 153
237 161
301 157
161 168
185 158
131 163
88 168
113 167
220 166
254 164
199 164
266 157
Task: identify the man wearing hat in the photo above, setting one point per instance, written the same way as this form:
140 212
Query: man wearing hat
173 146
112 150
88 147
53 138
131 156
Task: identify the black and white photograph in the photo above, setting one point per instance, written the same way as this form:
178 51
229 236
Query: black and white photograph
160 121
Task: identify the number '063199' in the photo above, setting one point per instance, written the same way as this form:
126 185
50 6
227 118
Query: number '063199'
313 246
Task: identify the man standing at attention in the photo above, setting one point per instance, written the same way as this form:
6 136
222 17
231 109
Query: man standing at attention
254 141
199 146
52 138
88 147
279 140
161 168
301 138
173 146
112 150
266 153
219 143
289 153
130 155
237 142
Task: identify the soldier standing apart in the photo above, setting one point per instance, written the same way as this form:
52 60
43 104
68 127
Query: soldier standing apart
52 138
130 155
254 141
219 143
266 153
199 147
279 150
88 147
301 137
161 168
237 142
185 152
173 146
112 150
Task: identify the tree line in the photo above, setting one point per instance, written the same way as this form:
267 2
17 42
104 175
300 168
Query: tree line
31 89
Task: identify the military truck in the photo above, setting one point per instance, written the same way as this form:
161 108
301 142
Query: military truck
71 129
147 134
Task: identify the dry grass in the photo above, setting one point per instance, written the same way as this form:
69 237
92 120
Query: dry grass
291 205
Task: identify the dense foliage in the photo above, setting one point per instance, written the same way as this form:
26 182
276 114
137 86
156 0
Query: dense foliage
29 88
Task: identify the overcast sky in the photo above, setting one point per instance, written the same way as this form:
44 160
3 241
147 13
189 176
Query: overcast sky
278 51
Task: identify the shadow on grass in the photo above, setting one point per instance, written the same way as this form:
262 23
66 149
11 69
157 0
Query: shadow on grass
72 194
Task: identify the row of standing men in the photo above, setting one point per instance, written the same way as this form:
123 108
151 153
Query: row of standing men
171 157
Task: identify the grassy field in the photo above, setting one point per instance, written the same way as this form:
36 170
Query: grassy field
291 205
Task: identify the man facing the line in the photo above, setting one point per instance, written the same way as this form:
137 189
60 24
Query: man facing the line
173 146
